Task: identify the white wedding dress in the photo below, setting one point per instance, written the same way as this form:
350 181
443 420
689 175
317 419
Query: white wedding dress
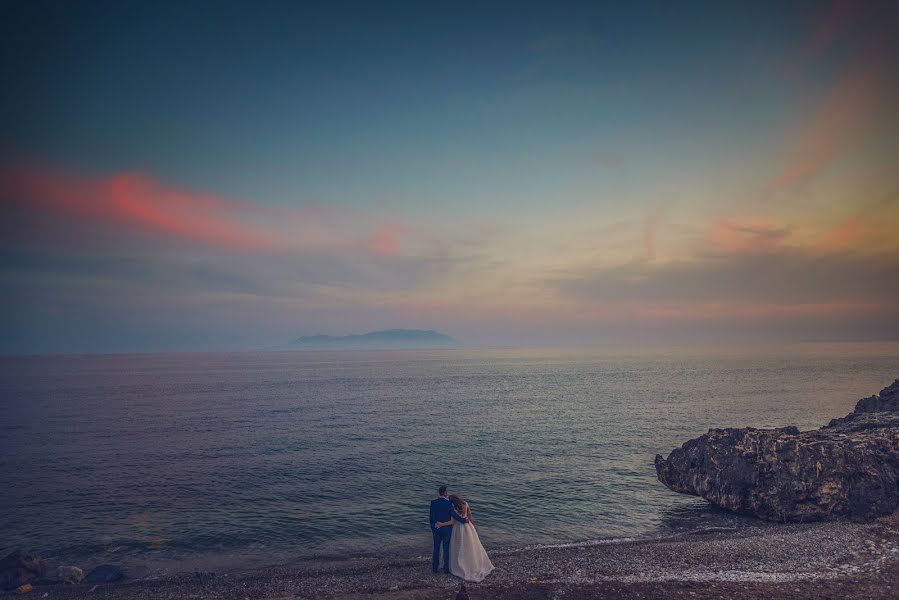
467 557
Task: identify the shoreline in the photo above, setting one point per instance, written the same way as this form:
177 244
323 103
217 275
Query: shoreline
836 558
697 519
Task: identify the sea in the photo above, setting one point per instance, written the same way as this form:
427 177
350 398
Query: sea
215 461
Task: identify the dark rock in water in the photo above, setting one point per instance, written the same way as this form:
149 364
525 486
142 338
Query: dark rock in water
19 568
848 468
104 574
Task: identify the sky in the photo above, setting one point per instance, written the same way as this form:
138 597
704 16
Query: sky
231 175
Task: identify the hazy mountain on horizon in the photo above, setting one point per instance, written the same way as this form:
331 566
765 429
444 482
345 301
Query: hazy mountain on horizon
393 338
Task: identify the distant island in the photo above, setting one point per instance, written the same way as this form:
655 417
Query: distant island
387 338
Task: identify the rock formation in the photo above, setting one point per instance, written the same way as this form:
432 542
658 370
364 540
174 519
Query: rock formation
848 468
19 568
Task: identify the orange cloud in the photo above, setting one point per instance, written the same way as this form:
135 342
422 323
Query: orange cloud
746 237
764 236
841 236
137 201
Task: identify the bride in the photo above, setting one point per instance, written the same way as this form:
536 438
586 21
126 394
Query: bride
467 557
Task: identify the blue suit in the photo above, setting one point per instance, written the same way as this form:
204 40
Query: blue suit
442 510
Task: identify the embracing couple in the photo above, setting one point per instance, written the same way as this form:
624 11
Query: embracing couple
451 526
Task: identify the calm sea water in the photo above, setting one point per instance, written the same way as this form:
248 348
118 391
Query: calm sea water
170 461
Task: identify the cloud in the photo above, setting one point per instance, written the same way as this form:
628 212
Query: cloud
136 201
75 210
842 236
836 123
177 260
746 236
71 242
131 254
749 285
856 37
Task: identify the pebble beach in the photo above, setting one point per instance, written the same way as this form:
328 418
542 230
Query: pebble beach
814 560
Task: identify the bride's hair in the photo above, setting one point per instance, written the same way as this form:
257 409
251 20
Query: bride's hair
458 502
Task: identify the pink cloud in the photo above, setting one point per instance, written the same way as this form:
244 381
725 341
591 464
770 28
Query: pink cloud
835 124
385 240
849 103
136 201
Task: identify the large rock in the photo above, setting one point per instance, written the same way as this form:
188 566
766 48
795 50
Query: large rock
19 568
848 468
104 574
70 575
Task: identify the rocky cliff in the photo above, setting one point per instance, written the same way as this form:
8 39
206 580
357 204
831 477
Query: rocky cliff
848 468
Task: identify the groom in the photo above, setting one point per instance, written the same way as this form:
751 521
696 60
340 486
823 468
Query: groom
442 510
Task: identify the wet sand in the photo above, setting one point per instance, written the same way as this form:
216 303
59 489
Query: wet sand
817 560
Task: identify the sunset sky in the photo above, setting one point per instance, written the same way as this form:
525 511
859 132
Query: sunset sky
220 175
